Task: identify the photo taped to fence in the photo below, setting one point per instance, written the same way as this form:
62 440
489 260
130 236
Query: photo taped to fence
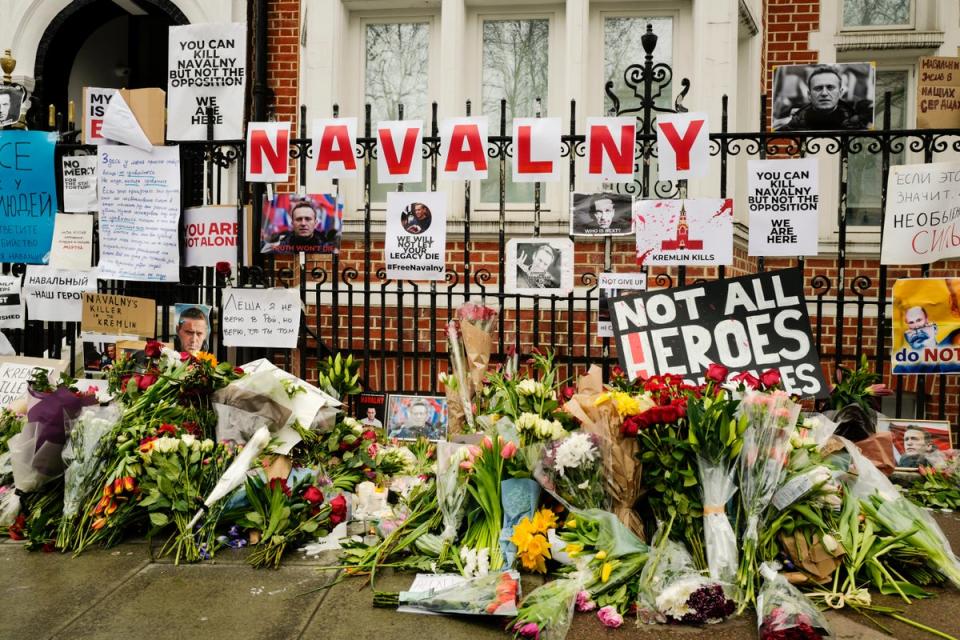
824 97
539 266
601 214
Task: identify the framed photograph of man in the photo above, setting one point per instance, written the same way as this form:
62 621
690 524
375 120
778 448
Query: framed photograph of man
601 214
97 356
412 417
192 327
294 223
917 443
372 409
13 97
539 266
822 97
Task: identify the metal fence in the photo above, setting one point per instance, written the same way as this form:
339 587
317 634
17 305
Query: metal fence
397 328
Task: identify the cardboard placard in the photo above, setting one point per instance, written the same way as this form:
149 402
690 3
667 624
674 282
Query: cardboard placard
751 323
938 93
16 371
416 238
109 314
147 106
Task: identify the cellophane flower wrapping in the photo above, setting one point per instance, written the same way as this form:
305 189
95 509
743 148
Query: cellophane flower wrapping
451 488
84 454
494 594
571 470
718 482
547 611
784 613
478 321
673 591
459 384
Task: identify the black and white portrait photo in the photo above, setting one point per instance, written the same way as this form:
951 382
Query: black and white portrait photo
539 265
601 214
824 97
11 101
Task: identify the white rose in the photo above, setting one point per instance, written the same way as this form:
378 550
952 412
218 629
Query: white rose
188 439
528 387
207 445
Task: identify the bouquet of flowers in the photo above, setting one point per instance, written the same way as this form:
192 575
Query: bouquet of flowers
772 418
572 470
672 590
547 611
494 594
470 342
451 486
783 613
530 538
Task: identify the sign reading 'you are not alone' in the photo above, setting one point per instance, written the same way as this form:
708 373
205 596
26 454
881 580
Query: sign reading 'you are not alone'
751 324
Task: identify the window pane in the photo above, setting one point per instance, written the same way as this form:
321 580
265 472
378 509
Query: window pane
869 13
515 59
622 48
864 177
395 74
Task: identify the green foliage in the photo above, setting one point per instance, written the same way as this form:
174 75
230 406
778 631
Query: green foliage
339 376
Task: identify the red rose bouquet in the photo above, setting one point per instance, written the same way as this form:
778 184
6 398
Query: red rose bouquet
783 613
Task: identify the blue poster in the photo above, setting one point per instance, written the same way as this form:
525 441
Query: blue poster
28 196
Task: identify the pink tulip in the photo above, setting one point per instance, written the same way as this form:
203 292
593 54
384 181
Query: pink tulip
609 617
529 630
508 450
487 442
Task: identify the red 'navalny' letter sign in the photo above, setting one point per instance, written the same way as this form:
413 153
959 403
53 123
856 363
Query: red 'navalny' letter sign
683 145
268 151
463 144
333 143
398 151
537 149
610 148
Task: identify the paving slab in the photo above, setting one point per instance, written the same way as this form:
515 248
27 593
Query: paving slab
163 601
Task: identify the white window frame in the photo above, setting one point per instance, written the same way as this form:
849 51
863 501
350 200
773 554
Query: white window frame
551 193
911 23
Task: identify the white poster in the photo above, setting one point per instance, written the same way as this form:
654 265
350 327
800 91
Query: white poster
95 101
922 218
611 285
683 145
261 318
72 246
210 236
695 232
398 151
416 241
11 303
139 213
334 140
56 295
206 71
537 149
15 377
463 148
79 184
783 196
610 148
268 151
539 266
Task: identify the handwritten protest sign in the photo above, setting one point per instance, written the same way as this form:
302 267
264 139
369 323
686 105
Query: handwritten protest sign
206 71
684 232
112 315
926 325
783 198
80 183
16 371
752 323
28 195
416 241
139 213
261 318
11 303
72 241
95 102
610 285
56 295
210 236
938 93
922 217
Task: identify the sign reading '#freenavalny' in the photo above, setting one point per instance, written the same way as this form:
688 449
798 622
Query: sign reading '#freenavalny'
610 154
922 218
750 324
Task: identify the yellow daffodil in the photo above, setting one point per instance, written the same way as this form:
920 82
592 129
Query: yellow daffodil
533 556
572 549
605 570
601 555
544 520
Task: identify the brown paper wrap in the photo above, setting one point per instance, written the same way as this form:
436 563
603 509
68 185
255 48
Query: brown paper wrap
455 416
477 344
621 465
812 557
878 449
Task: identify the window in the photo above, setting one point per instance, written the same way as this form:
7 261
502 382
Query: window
515 65
877 13
864 175
622 48
396 73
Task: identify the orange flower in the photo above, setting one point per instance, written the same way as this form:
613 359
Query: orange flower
108 490
129 483
209 358
112 508
98 524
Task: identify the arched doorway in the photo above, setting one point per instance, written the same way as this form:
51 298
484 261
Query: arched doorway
104 43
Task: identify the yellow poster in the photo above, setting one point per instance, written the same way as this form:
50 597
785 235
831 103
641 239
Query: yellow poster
926 325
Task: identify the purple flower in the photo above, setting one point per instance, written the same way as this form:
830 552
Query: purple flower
609 617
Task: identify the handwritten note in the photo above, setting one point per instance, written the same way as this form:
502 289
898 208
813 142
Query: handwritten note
139 213
108 314
16 371
261 318
72 241
56 295
11 303
28 195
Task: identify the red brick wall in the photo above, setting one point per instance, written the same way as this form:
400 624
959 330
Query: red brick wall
283 59
787 25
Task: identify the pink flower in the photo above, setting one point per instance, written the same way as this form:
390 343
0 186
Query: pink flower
609 617
879 390
584 603
508 450
372 450
529 630
487 442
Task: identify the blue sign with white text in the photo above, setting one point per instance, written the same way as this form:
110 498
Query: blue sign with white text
28 196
